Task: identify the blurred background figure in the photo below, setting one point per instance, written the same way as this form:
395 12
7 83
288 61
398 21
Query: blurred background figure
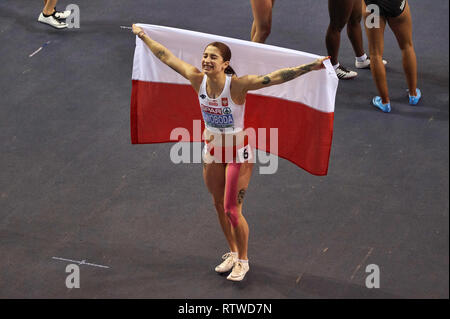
397 14
342 13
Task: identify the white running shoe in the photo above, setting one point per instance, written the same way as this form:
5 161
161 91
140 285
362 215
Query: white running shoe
365 64
344 74
239 271
51 20
227 264
62 14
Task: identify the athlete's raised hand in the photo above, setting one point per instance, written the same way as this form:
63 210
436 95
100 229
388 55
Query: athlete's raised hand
136 29
318 64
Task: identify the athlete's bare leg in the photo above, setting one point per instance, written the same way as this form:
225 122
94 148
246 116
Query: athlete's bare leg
214 177
376 48
241 231
354 30
340 12
262 19
402 28
49 6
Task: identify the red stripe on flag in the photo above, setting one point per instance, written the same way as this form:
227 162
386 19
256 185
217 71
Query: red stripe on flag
304 134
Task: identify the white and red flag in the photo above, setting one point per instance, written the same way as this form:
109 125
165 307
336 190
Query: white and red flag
302 109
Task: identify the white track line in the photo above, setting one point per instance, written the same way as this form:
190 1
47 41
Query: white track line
80 262
38 50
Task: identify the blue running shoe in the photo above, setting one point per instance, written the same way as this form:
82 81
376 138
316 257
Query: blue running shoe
386 108
413 100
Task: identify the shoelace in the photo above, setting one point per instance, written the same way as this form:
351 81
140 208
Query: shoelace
225 256
55 15
343 69
237 268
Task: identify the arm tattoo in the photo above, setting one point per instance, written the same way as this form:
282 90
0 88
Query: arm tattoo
160 54
266 80
292 73
288 75
306 68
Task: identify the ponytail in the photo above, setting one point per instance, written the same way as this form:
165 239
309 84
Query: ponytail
229 70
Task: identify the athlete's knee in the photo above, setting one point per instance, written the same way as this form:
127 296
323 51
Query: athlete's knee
407 46
336 27
264 29
355 20
231 207
376 58
232 211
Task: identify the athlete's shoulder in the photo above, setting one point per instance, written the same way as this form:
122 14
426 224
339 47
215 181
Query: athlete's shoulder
240 81
196 80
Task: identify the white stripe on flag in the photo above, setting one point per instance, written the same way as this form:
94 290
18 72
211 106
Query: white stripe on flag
316 89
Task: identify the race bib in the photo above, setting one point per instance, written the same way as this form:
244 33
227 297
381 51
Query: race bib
245 154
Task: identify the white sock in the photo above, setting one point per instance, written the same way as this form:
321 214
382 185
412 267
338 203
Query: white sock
336 66
361 58
244 261
234 254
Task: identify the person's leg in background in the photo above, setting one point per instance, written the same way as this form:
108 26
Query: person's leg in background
375 36
339 12
354 31
262 19
402 28
49 6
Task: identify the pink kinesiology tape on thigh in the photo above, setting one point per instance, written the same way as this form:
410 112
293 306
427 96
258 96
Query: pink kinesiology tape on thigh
231 192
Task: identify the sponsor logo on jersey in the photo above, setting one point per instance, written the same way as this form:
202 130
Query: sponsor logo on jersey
213 103
202 96
226 110
224 101
211 110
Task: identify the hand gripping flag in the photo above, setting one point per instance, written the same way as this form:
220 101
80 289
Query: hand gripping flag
302 109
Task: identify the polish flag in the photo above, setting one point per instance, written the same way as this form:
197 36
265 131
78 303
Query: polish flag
302 109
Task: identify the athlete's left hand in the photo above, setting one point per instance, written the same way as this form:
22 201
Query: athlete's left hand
318 64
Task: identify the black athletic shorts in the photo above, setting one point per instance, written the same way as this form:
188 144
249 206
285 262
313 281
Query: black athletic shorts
389 8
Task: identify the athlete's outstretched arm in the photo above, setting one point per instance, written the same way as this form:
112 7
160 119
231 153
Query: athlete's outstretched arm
185 69
256 82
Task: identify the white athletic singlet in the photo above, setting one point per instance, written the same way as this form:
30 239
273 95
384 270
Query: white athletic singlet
221 115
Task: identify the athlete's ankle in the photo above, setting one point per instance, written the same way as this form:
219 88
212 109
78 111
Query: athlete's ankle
48 13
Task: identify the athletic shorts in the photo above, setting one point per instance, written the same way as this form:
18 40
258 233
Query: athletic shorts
237 154
389 8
